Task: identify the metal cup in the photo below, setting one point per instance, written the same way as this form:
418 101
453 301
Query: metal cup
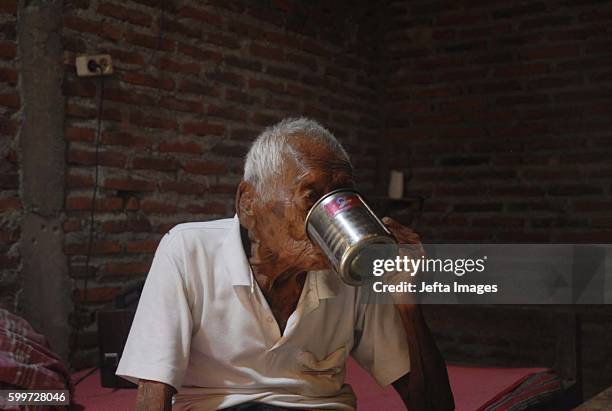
347 230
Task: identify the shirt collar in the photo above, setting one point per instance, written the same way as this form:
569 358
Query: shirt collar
325 283
235 258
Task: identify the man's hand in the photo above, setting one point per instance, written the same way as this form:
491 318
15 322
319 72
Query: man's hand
426 387
154 396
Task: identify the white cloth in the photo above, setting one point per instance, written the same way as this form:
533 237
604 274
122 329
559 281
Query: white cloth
204 327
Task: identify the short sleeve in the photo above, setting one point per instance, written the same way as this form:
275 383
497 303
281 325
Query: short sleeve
381 346
158 344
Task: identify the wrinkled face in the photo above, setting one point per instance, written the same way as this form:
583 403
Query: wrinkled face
279 222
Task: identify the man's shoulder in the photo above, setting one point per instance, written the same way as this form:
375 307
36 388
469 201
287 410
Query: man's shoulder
198 228
198 235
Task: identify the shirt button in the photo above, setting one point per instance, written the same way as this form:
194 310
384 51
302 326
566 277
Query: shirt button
270 319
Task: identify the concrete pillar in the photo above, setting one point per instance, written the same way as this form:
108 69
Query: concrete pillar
46 300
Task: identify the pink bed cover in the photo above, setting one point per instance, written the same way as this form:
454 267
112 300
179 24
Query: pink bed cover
473 387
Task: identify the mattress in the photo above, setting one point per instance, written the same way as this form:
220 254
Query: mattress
474 388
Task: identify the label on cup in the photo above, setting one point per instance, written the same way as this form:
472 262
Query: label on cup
340 204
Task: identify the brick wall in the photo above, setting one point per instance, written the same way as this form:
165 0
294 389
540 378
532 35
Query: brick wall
10 203
175 131
502 112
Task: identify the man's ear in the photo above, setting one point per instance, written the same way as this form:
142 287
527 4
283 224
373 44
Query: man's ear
245 198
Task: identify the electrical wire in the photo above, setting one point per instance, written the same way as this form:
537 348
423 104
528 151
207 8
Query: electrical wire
77 305
92 211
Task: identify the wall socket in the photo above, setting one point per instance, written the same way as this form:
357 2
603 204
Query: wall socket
94 65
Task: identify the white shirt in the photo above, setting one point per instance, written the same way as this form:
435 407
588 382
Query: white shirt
204 327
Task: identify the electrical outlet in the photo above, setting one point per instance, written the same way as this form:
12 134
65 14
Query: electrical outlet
94 65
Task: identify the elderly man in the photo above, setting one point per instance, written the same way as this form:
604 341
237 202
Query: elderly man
245 313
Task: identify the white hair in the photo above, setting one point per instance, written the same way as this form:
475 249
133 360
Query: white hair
269 151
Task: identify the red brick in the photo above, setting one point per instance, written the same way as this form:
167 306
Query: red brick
151 42
8 6
204 167
269 53
80 88
283 38
301 60
266 85
128 57
299 91
8 75
126 269
172 103
80 203
72 225
154 163
188 30
243 134
178 67
241 28
74 180
222 40
231 113
207 208
96 295
282 72
99 247
594 205
179 147
222 189
157 207
145 120
132 204
123 13
9 262
75 110
130 97
263 119
243 63
125 139
228 78
122 226
198 88
182 187
111 31
313 47
10 204
129 185
148 81
561 51
230 150
142 246
82 25
201 54
241 97
79 134
207 17
88 158
203 128
10 100
8 50
9 181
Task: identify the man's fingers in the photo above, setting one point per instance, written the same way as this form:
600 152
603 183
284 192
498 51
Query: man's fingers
401 232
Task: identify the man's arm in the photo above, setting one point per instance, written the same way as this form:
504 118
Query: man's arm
154 396
426 386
